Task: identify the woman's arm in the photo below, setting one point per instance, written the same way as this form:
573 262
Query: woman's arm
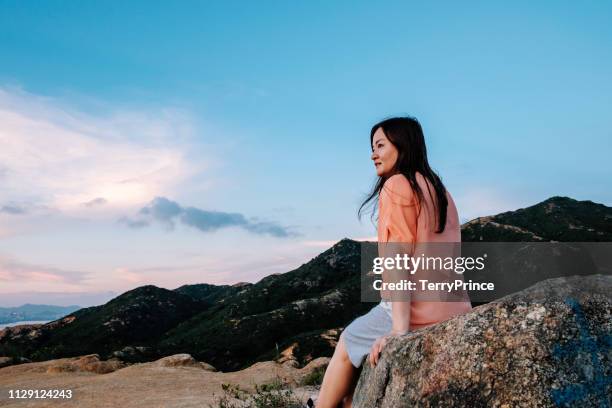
400 312
399 218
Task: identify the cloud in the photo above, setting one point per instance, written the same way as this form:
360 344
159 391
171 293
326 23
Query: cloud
12 209
16 271
95 202
167 212
59 157
133 223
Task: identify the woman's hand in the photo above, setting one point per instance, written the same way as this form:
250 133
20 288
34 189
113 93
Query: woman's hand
377 348
379 344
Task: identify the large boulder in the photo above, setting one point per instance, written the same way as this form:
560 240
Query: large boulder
183 360
549 345
90 363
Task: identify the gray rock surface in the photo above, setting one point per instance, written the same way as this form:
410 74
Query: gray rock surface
549 345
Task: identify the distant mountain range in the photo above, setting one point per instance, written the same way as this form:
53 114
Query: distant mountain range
560 219
233 326
29 312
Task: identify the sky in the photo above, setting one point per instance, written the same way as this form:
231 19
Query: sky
174 143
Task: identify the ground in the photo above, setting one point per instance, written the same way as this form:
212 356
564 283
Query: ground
147 385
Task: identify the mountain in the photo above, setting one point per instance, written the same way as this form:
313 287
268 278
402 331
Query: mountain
207 293
319 295
297 314
139 316
229 326
34 312
556 219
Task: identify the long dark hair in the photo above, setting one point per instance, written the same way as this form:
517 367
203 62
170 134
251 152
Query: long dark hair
406 134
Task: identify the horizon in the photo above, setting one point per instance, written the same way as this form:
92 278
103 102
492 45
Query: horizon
330 243
199 144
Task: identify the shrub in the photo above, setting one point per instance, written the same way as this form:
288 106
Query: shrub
275 394
315 377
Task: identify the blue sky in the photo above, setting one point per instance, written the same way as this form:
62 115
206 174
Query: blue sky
187 142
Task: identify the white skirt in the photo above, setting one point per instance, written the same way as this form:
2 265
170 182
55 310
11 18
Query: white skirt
361 333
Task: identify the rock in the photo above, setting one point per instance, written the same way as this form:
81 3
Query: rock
547 346
131 354
30 331
318 364
291 363
183 360
60 322
288 357
89 363
8 361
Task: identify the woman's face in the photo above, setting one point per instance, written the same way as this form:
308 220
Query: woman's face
384 153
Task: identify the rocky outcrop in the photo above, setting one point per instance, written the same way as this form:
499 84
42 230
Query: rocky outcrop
29 331
547 346
287 356
7 361
183 360
89 363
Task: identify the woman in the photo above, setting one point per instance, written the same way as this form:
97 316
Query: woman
414 207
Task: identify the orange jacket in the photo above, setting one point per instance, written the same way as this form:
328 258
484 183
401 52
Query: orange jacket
402 219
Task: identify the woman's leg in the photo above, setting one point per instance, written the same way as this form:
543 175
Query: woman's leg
347 402
338 381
